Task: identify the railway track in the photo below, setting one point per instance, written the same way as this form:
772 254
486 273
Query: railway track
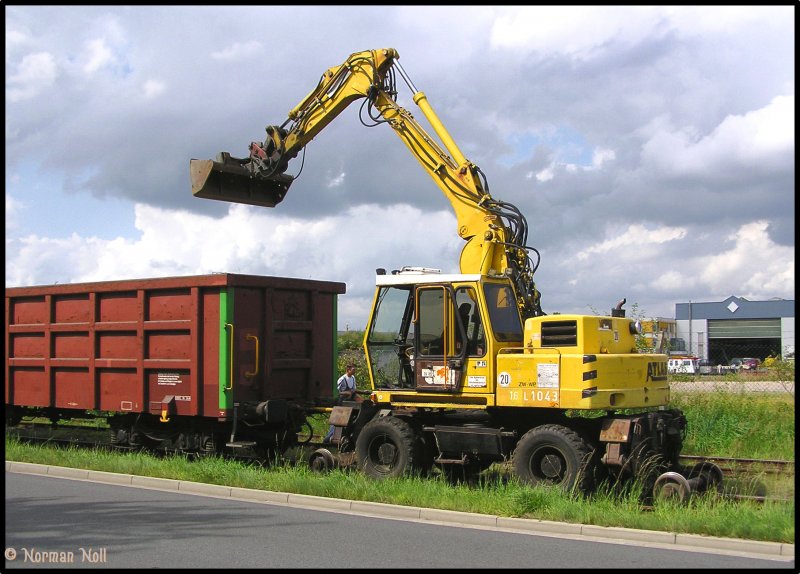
739 470
93 438
747 465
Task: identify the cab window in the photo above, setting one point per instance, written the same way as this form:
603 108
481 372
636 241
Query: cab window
432 320
503 312
473 335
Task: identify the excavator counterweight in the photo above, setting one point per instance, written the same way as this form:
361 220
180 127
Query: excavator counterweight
227 179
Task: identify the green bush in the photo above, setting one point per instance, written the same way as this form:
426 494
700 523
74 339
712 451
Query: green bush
351 350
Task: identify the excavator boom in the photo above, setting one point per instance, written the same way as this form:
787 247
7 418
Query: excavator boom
495 232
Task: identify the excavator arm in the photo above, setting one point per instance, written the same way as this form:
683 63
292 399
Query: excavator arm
495 232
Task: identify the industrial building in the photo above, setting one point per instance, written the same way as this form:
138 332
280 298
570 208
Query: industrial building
736 327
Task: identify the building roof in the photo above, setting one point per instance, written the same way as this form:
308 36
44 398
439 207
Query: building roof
735 308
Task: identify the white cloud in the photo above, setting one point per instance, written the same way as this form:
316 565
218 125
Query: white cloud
99 55
574 30
238 50
753 266
153 88
337 180
16 38
601 156
35 73
583 31
661 267
726 19
634 239
546 174
675 279
248 240
761 139
619 132
13 208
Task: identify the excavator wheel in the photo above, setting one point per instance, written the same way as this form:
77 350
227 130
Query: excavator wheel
385 448
553 455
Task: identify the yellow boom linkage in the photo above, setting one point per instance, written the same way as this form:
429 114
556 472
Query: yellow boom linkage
495 232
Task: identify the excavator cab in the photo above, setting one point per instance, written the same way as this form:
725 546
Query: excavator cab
234 179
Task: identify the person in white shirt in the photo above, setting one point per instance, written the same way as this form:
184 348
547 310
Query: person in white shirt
347 392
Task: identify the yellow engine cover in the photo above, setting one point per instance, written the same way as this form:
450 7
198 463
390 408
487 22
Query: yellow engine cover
580 362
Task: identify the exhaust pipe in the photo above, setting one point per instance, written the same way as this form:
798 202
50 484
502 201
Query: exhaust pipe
229 179
618 311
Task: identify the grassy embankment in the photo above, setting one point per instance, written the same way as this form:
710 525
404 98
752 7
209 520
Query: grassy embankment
745 425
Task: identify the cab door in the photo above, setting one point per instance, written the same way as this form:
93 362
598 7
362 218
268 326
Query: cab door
438 361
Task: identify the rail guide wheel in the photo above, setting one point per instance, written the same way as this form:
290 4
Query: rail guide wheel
672 486
703 477
322 461
710 476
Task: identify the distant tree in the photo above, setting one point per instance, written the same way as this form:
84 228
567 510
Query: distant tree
780 369
350 340
351 350
643 344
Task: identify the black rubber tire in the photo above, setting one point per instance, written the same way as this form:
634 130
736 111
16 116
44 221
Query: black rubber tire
553 455
385 448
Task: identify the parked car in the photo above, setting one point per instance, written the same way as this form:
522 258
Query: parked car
706 367
683 365
745 363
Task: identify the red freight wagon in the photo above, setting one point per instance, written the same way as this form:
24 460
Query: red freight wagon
187 359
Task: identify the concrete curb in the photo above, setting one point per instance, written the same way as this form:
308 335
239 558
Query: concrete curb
774 550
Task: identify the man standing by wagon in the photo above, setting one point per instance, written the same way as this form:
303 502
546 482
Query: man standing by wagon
346 386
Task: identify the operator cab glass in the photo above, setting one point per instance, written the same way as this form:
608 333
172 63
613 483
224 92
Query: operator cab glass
503 312
469 314
422 336
390 337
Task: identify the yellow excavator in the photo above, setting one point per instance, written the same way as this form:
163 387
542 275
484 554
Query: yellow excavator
465 369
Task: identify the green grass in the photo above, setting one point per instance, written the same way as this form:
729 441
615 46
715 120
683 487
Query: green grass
738 424
703 515
727 424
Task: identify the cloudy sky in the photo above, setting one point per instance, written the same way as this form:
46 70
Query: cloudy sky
651 149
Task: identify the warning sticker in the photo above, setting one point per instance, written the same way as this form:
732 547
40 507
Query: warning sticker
168 379
547 376
476 381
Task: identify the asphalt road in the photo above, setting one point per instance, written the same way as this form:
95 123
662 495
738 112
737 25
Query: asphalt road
62 522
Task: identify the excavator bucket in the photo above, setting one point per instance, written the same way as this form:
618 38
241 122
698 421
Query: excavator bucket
228 180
